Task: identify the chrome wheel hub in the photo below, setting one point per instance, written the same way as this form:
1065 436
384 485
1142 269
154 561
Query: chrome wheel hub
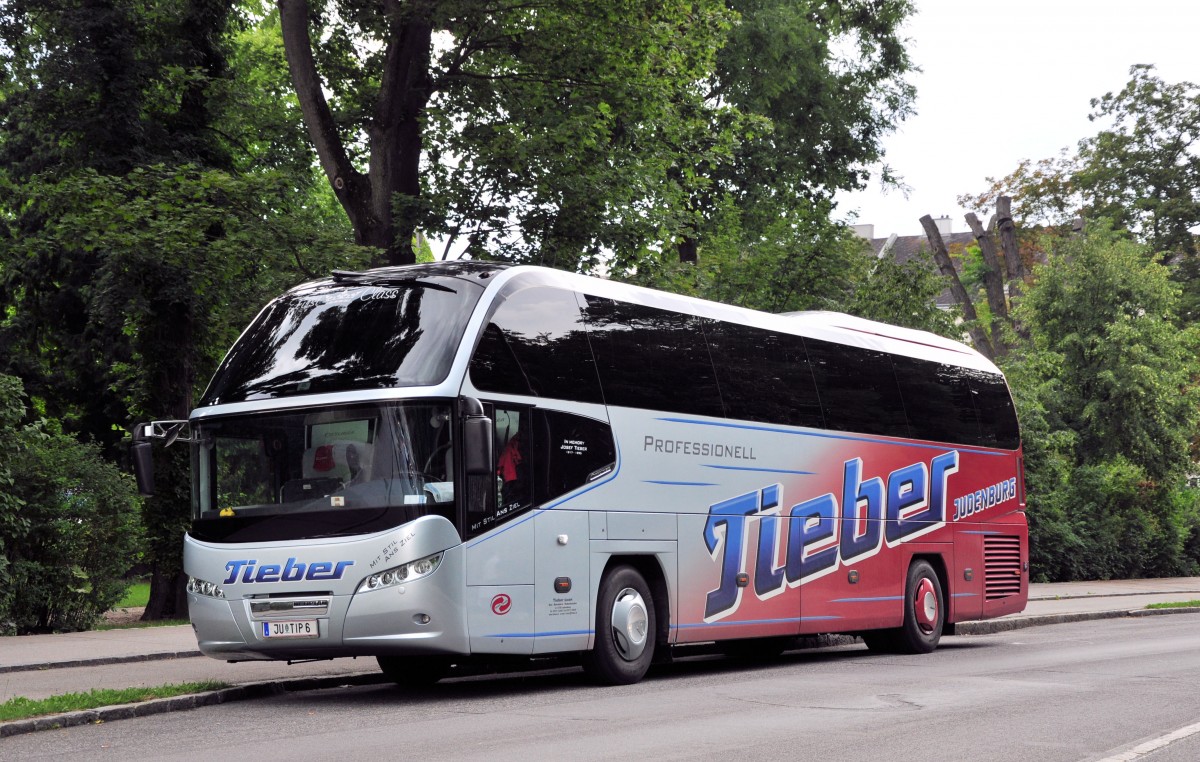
630 624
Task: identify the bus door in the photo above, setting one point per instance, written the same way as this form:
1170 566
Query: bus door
500 541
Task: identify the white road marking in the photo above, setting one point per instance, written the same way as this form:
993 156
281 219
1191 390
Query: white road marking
1149 747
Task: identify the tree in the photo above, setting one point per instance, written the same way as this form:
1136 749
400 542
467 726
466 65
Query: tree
68 525
905 294
807 262
141 232
565 133
803 262
1141 171
1108 391
518 112
818 86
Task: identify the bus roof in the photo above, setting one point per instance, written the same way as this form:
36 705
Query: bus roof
828 326
825 325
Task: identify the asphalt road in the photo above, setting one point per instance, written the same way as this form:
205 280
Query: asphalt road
1084 691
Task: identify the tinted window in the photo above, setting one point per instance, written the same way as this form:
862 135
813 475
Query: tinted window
938 401
651 358
763 375
569 451
535 343
341 337
857 388
997 417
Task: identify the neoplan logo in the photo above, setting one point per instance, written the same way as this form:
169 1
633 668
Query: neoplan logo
501 604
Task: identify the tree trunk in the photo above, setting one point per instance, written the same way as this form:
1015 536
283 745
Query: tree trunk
942 257
993 281
384 205
168 344
689 249
1013 265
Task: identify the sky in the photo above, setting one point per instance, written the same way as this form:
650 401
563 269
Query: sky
1006 81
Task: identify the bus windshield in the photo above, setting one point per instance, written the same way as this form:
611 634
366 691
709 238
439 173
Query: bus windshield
326 471
345 335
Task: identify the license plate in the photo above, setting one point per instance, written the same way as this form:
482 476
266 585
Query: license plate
296 628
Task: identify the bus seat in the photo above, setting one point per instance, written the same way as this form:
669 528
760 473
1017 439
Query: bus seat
348 461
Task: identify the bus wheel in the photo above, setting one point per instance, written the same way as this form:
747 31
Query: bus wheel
924 616
924 610
414 671
625 629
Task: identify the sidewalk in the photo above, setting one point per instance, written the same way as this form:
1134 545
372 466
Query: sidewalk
37 666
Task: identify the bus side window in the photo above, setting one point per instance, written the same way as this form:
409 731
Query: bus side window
535 344
763 375
569 452
652 358
938 401
858 389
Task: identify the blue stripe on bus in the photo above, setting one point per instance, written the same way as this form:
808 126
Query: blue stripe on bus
550 506
869 600
761 470
846 437
540 634
964 595
754 622
679 484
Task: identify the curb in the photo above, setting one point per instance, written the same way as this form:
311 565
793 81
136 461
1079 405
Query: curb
991 626
99 661
1090 596
274 688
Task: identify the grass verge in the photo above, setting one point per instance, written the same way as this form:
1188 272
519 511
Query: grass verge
1176 605
138 595
21 708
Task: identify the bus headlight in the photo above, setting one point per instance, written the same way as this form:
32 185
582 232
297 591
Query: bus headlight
206 589
399 575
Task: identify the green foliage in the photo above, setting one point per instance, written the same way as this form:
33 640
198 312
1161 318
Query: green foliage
1143 170
801 263
19 707
68 526
1107 394
180 259
559 133
1140 171
906 295
804 262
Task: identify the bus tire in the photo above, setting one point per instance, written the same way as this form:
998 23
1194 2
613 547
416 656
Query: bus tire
625 629
414 671
924 616
924 610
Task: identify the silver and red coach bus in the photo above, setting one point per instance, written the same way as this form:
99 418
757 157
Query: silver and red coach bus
430 463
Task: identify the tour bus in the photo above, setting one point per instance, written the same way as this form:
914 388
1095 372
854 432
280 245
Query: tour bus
433 463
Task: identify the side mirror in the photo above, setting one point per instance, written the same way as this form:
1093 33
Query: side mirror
477 438
142 454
